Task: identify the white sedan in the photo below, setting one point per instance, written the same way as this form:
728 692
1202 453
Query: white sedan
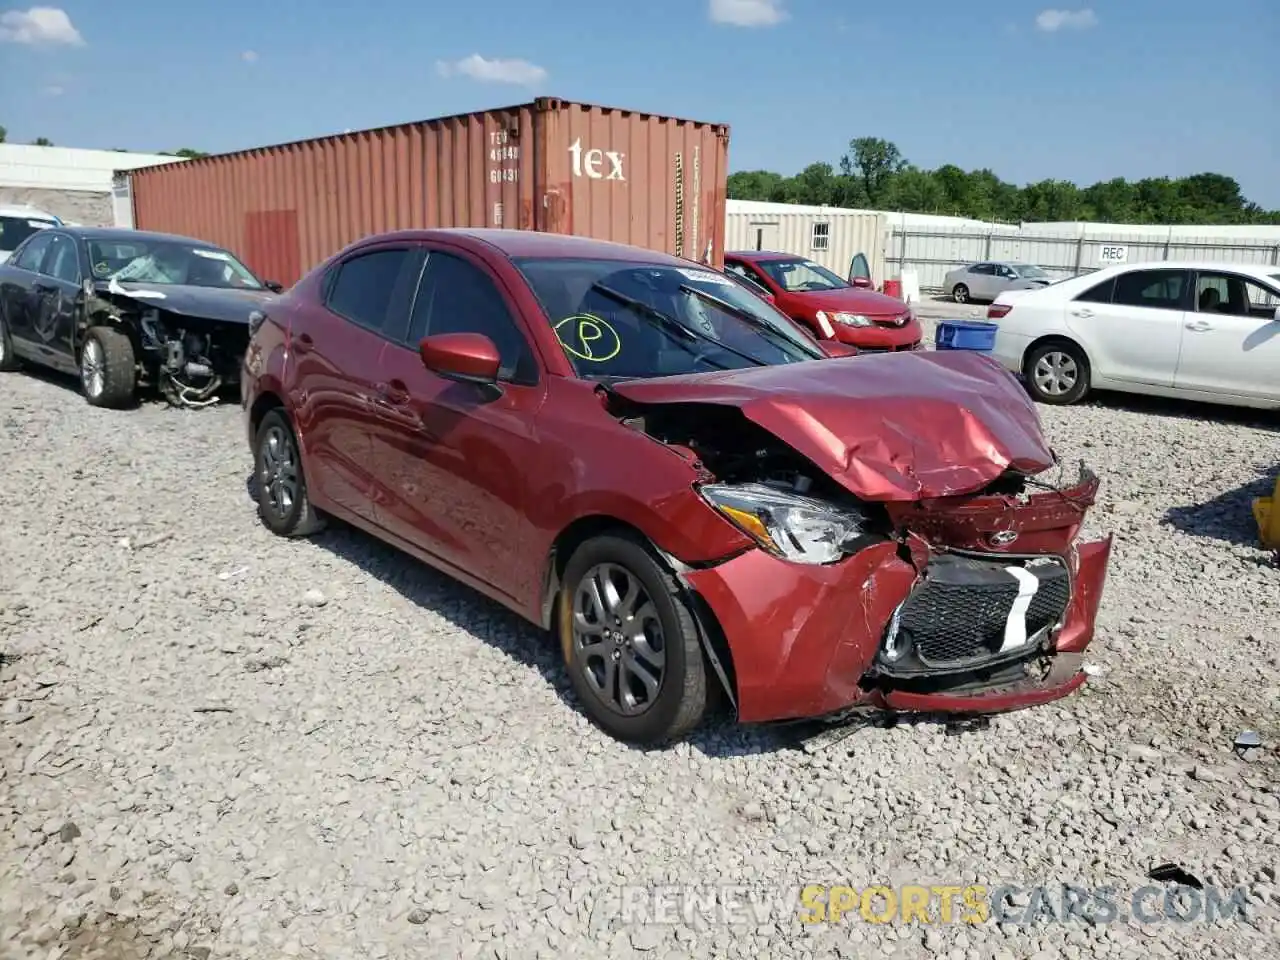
1199 331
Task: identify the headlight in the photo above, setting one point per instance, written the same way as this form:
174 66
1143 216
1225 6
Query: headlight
787 525
852 319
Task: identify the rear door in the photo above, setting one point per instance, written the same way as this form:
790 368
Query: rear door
452 456
20 294
1132 325
1231 339
336 349
57 300
980 279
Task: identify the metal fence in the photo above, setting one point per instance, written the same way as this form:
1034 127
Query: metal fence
935 251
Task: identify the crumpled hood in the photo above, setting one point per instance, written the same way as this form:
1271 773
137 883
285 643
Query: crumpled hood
853 300
213 303
892 427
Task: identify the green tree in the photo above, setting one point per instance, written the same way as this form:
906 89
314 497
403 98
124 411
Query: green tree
3 134
42 142
873 173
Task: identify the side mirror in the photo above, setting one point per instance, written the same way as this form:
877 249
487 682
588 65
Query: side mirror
465 357
274 286
863 282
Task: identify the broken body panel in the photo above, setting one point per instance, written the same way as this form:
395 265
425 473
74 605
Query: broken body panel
189 341
972 596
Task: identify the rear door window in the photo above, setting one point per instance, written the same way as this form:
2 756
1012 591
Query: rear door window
29 257
1156 289
363 288
1099 293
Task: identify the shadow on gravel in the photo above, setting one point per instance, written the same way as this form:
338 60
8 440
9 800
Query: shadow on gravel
1228 517
1186 409
515 637
144 398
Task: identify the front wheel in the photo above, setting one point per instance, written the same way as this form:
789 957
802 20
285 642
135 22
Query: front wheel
1057 373
108 368
630 643
960 293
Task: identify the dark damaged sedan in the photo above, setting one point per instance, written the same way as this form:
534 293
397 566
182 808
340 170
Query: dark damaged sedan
126 309
642 456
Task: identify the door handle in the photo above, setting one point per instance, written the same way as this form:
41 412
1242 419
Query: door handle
303 343
1082 312
1199 325
394 393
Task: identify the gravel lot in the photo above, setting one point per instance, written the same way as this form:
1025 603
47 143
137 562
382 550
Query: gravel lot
219 743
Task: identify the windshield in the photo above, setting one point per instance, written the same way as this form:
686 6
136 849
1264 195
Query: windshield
167 261
13 230
1029 271
801 276
619 319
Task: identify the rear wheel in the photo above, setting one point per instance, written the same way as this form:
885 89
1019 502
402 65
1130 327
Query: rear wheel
8 359
283 503
1057 373
630 642
108 368
960 293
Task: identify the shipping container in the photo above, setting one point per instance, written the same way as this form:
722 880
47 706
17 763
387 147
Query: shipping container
551 165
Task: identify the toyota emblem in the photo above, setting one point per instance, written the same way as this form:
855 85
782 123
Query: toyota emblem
1002 538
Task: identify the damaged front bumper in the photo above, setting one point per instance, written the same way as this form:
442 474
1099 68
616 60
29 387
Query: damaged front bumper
913 626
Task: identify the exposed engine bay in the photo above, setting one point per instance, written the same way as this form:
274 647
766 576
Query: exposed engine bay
189 360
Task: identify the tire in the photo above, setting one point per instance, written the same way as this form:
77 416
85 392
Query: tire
108 368
284 506
1057 373
960 293
8 359
680 700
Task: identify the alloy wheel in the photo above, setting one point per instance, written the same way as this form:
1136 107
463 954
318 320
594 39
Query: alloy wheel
279 470
618 639
93 368
1055 373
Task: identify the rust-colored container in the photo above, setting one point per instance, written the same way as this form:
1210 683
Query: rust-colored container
551 165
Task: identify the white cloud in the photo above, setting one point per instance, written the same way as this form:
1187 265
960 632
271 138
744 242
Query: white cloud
747 13
1051 21
249 56
39 26
493 71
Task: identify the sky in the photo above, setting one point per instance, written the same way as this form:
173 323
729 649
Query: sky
1123 88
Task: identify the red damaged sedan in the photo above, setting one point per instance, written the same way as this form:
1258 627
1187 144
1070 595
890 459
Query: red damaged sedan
636 453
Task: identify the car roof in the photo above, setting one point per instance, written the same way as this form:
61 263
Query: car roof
22 210
123 234
760 255
531 243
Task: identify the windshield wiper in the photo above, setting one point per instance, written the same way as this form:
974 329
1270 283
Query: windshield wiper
681 335
745 316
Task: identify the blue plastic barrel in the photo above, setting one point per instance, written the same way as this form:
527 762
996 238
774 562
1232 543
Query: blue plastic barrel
966 335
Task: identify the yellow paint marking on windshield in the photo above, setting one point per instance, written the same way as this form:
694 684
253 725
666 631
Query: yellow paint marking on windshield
592 338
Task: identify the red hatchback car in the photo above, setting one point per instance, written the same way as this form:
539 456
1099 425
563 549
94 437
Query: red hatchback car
634 452
833 309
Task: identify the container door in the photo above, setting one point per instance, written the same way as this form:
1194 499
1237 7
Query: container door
764 236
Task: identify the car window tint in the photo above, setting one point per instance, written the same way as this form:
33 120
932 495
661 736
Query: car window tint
455 296
30 256
362 289
985 269
1161 289
1100 292
62 261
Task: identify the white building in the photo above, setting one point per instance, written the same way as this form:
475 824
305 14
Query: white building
74 184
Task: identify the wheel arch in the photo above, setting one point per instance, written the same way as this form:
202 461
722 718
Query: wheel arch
715 645
1051 338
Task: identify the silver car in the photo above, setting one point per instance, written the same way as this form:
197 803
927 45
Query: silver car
987 280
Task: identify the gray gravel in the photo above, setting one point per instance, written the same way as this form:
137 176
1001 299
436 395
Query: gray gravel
218 743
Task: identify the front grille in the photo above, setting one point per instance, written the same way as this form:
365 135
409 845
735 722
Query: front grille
958 616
